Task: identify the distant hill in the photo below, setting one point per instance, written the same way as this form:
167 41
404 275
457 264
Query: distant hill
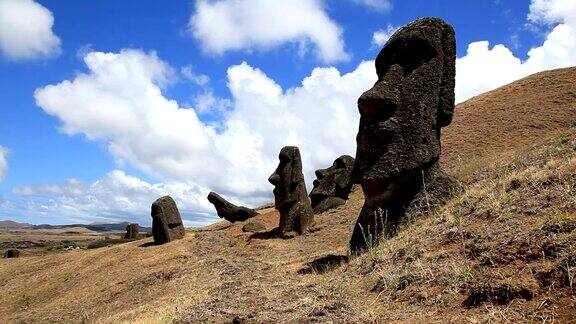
12 225
112 227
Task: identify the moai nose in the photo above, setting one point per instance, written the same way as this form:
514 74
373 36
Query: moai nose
274 179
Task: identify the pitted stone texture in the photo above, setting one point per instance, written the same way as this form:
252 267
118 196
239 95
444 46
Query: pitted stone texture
290 196
332 185
229 211
398 142
166 221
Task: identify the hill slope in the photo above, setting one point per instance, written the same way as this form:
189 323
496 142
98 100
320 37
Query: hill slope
503 251
497 123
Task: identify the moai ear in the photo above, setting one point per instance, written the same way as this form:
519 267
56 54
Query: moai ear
446 102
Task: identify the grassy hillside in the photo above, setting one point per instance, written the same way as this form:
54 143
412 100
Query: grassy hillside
505 250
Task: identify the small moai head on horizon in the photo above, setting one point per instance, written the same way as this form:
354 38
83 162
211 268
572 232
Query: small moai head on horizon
333 182
287 177
413 98
132 231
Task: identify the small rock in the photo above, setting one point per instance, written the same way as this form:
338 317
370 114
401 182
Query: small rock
12 253
253 227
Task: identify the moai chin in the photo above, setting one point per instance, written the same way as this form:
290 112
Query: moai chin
290 196
398 142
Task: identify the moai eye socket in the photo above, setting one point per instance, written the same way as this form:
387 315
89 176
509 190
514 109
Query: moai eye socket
376 109
409 53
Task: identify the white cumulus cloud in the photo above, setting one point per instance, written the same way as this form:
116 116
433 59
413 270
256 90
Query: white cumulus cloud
376 5
232 25
3 162
119 102
26 30
117 196
484 68
381 36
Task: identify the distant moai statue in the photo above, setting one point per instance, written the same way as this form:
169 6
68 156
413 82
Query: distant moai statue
132 231
398 142
11 253
229 211
166 221
332 185
290 196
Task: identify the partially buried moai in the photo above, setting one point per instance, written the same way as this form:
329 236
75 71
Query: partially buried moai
290 196
166 221
228 210
332 185
132 231
398 142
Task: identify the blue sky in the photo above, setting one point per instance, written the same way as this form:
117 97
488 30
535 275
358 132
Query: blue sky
107 105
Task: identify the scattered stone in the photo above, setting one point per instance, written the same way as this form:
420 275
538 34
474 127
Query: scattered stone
253 227
290 197
166 221
398 142
11 253
501 295
132 231
229 211
332 185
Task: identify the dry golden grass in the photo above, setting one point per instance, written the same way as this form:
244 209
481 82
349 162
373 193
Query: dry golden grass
503 251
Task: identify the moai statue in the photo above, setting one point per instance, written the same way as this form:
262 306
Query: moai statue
229 211
166 221
290 197
398 142
132 231
332 185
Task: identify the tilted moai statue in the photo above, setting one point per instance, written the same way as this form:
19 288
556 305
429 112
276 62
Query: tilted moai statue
398 142
290 197
166 221
229 211
332 185
132 231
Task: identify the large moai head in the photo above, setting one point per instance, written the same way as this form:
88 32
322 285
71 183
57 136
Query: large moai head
332 185
290 196
401 116
166 221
